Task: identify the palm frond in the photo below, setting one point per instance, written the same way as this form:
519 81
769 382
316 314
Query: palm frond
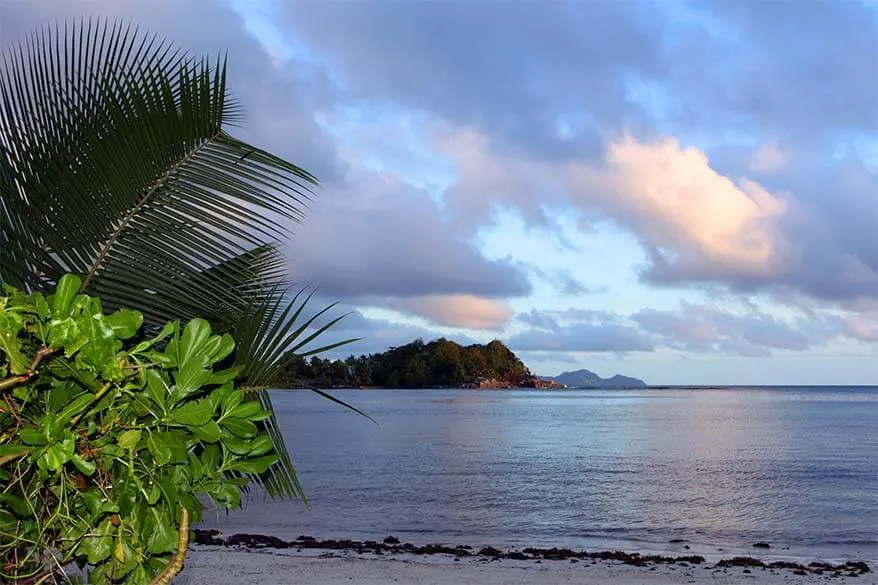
119 161
268 331
115 164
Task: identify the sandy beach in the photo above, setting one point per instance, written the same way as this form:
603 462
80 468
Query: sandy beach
229 566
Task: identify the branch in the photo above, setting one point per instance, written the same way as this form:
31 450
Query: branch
43 352
101 391
31 371
176 565
7 458
14 381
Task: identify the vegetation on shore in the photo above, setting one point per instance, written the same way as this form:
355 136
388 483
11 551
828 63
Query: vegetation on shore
437 364
116 165
109 440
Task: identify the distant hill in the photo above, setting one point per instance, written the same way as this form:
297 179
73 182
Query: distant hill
437 364
588 379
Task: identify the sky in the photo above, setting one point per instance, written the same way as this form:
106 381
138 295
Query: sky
686 192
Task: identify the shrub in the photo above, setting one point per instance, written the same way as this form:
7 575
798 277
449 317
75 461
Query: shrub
108 440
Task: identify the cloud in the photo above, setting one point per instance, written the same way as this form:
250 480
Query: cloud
378 235
465 311
584 337
769 158
578 331
692 328
705 328
541 93
696 225
740 155
378 335
536 80
694 222
562 280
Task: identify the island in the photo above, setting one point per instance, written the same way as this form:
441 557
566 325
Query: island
588 379
438 364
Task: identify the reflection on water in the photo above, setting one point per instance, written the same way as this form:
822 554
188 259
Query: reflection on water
719 468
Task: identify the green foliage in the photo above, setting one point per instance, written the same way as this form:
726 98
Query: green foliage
117 163
105 437
440 363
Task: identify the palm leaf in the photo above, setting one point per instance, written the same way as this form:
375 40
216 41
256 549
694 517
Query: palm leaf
115 163
121 164
268 332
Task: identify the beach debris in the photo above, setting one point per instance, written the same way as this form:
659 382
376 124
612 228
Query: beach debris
761 545
393 545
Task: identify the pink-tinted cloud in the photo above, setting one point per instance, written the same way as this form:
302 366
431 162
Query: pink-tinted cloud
692 217
768 158
465 311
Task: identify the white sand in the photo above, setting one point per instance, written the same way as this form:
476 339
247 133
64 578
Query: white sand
215 566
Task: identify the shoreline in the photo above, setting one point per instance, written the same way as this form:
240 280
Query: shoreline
310 549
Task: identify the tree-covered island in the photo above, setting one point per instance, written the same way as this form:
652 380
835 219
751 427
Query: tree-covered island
437 364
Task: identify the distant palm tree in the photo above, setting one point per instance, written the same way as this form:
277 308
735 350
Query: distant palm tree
116 164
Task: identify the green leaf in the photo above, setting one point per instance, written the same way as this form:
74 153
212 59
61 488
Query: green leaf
247 410
129 439
223 349
195 336
86 467
44 311
16 504
79 404
227 494
176 442
65 292
163 538
260 445
255 466
96 548
169 329
124 323
194 413
191 376
160 450
157 390
13 450
239 427
236 445
153 494
54 458
57 397
210 432
223 376
231 401
92 501
31 436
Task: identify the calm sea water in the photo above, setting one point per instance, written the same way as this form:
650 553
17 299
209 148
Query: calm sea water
720 469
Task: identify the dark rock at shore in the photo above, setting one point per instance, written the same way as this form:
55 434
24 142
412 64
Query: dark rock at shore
207 537
257 541
392 545
761 545
490 551
741 562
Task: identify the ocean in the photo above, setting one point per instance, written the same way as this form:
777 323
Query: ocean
679 471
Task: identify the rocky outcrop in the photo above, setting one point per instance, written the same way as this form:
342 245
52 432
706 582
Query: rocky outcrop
503 383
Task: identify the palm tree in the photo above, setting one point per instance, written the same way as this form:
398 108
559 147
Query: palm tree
116 163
